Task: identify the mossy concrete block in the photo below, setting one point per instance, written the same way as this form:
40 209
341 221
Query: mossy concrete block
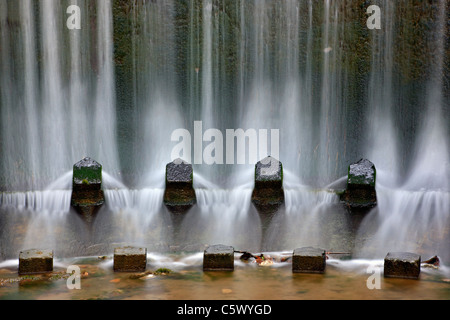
309 260
360 195
130 259
179 195
35 261
403 265
87 172
268 194
218 258
87 193
362 173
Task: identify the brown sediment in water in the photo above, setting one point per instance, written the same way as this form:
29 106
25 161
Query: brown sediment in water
248 282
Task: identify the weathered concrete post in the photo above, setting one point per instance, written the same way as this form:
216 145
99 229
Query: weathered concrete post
87 193
35 261
218 258
268 194
360 195
403 265
309 260
130 259
179 195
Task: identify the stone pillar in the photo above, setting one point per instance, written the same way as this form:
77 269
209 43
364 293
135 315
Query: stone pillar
130 259
179 195
309 260
268 195
218 258
87 193
360 195
403 265
35 261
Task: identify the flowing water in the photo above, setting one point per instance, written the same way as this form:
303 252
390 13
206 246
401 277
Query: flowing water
116 90
344 280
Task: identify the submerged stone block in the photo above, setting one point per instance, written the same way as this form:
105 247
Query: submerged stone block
268 194
403 265
218 258
87 193
360 195
130 259
35 261
179 195
309 260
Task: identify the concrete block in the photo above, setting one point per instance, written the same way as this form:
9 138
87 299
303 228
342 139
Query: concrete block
35 261
130 259
218 258
309 260
403 265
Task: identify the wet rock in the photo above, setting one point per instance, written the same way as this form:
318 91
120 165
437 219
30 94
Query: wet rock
309 260
35 261
87 193
360 195
218 258
435 262
87 172
403 265
130 259
179 195
268 194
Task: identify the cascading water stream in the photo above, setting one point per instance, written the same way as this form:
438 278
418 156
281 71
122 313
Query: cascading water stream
54 198
156 105
412 214
311 217
57 106
336 91
380 117
61 105
104 146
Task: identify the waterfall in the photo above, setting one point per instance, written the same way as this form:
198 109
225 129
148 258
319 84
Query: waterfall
380 117
38 201
311 217
118 88
222 216
407 220
54 110
431 168
413 211
104 148
135 215
207 80
155 105
61 105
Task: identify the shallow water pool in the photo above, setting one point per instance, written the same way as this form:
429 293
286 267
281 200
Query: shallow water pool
343 280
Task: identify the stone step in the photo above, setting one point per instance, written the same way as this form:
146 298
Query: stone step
130 259
35 261
218 258
403 265
309 260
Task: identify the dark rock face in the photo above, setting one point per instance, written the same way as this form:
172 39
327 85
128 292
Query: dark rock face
87 193
360 195
179 195
218 258
35 261
309 260
403 265
130 259
268 195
